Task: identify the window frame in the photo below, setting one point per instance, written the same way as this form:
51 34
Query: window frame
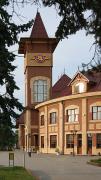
71 143
53 144
98 141
42 120
79 87
42 142
72 115
53 119
40 90
96 113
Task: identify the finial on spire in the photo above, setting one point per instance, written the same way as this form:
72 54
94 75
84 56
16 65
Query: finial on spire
37 9
38 30
64 70
78 68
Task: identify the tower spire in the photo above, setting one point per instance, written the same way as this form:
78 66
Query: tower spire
38 30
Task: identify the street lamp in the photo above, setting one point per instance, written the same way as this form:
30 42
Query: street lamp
73 133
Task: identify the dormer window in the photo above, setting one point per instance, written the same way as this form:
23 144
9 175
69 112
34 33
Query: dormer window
79 87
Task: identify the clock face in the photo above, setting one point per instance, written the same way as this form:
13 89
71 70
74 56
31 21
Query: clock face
40 58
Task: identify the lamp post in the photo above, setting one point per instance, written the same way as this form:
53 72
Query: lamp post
73 133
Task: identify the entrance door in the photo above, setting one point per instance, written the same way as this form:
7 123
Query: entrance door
89 144
79 143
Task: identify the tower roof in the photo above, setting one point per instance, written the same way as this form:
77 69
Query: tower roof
38 30
38 35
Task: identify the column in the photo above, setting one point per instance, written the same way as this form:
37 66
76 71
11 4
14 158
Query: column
61 128
84 126
46 139
28 127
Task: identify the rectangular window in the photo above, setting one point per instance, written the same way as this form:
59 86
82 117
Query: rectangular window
98 140
72 115
53 141
69 141
40 90
42 141
76 89
96 112
42 120
53 118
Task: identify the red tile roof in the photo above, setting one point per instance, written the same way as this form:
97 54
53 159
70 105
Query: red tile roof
60 86
63 88
94 81
38 30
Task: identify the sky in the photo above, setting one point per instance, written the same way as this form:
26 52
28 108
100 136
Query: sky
69 54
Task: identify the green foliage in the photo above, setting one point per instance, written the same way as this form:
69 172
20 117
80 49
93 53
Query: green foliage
8 103
15 173
74 17
96 160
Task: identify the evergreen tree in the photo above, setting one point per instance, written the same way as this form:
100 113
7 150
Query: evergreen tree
8 103
77 15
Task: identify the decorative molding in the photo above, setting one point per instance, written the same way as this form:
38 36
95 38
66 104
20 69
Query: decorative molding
72 107
70 97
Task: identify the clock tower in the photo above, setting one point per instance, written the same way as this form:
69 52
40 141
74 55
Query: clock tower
38 61
38 52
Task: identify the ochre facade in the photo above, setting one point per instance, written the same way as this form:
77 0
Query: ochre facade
65 118
85 124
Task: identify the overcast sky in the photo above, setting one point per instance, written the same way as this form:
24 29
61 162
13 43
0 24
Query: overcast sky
69 54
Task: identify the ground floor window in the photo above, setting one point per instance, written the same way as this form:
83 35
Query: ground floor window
69 141
98 140
42 141
79 140
53 141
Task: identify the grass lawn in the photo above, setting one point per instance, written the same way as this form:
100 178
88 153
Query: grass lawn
14 173
96 162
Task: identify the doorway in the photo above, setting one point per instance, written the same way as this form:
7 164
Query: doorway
79 143
89 143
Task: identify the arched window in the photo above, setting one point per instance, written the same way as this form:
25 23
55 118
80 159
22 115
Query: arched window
40 92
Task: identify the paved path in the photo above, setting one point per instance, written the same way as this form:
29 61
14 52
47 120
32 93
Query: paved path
52 167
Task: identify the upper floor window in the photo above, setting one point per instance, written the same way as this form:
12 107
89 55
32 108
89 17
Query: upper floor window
40 92
96 112
42 120
53 118
79 87
72 115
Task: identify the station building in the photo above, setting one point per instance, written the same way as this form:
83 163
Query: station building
65 117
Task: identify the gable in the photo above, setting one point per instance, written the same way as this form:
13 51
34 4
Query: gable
79 77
